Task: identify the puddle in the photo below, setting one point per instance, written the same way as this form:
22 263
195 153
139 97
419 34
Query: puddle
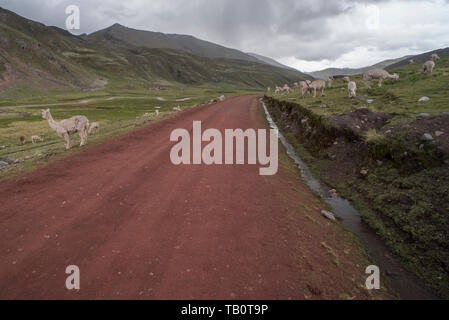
403 282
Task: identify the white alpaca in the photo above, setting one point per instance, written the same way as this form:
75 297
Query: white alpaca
428 67
329 82
35 139
67 127
434 57
286 89
221 98
352 89
277 91
157 113
304 87
378 74
411 61
94 128
317 85
178 108
146 117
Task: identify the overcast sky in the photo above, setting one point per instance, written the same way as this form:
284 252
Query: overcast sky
305 34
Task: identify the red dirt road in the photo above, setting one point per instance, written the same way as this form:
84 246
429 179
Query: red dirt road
139 227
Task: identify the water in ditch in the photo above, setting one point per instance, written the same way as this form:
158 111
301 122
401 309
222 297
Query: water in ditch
404 283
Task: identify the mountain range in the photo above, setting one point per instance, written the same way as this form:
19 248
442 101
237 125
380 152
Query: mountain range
33 55
386 64
326 73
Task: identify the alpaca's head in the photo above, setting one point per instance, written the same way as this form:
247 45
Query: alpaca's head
46 114
395 76
435 57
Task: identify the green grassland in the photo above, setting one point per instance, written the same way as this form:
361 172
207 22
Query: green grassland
396 97
117 109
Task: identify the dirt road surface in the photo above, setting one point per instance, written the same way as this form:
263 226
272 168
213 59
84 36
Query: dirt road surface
139 227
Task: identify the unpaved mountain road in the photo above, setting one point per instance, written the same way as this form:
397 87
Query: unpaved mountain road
139 227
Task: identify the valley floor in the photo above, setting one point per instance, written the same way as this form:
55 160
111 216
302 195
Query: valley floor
139 227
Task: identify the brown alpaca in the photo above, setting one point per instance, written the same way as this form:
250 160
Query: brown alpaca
22 140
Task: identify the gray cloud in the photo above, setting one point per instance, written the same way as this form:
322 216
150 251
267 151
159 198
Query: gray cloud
306 34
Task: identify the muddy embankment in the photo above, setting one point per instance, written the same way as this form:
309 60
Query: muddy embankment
396 176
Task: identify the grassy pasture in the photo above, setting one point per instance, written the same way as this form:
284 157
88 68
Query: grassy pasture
396 97
115 109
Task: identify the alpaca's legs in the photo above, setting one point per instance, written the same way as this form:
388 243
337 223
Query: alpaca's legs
380 83
67 141
83 136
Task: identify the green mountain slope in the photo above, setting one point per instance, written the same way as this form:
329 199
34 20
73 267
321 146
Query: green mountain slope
35 56
268 61
421 57
326 73
132 38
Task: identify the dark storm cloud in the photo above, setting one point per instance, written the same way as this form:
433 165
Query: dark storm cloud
304 33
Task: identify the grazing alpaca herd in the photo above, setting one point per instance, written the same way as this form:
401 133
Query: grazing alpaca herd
379 75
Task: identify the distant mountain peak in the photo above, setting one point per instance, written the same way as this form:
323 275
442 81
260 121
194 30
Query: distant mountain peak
117 26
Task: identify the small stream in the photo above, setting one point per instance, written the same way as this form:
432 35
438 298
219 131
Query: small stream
404 283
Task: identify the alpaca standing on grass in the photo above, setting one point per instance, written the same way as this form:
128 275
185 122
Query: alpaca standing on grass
94 128
67 127
378 74
352 89
304 87
428 67
35 139
277 91
317 85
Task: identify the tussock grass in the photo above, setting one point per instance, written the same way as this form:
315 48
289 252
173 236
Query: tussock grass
374 137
